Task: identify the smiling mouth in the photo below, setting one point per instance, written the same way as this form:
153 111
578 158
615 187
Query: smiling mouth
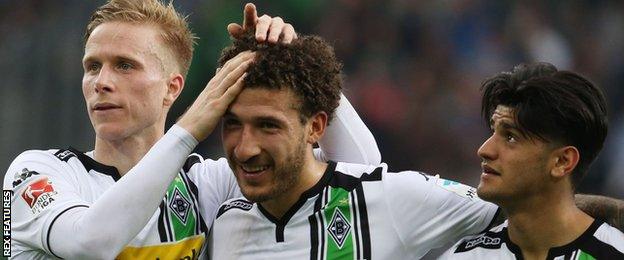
253 169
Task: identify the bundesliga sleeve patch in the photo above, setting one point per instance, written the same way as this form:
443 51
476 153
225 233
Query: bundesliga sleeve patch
39 194
458 188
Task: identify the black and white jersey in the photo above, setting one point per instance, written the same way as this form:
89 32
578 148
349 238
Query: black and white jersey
599 241
354 212
48 183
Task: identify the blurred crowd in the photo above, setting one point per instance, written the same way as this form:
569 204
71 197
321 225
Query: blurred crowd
412 70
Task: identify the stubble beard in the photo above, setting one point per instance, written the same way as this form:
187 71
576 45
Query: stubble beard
285 177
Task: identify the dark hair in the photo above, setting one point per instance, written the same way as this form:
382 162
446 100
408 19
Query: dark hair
307 66
552 106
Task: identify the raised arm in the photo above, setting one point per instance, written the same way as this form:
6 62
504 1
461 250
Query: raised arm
102 229
347 139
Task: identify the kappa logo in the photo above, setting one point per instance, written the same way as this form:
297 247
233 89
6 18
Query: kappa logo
22 176
480 241
339 228
180 205
39 194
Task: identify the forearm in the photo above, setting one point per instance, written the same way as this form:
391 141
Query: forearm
608 209
347 139
115 218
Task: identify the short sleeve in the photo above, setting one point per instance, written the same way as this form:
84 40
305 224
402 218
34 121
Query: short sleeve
43 188
430 212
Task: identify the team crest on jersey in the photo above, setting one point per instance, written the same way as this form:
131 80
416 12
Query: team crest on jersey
180 205
39 194
485 241
339 228
22 176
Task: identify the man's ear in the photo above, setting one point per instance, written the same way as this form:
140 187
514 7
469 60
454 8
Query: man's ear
316 127
175 84
566 159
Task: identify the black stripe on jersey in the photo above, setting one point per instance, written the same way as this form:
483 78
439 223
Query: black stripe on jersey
588 243
314 240
201 226
356 225
91 164
601 250
348 182
366 242
190 161
163 223
317 234
52 223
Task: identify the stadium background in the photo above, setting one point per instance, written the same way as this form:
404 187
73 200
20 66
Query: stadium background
413 70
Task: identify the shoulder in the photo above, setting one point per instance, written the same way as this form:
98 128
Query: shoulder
32 163
489 244
608 239
238 205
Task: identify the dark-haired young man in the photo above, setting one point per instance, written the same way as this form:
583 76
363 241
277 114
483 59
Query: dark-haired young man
295 207
548 126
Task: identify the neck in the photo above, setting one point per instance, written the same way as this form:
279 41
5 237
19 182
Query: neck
125 153
311 173
536 223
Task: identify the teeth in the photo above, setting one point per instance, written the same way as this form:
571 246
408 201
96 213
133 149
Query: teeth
249 168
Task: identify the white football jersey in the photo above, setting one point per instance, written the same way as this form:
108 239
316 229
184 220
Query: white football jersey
47 183
354 212
599 241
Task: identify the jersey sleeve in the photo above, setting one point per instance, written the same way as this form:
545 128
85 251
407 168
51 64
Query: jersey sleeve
42 189
100 230
347 139
430 212
216 184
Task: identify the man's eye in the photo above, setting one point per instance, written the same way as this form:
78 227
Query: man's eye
93 67
511 138
125 66
268 125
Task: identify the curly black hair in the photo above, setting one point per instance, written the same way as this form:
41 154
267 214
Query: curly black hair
307 66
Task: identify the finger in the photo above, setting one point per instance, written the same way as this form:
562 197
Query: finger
231 65
262 27
288 34
232 92
250 16
231 78
275 30
235 30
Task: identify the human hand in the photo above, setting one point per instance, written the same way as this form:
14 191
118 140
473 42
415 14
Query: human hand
271 29
204 114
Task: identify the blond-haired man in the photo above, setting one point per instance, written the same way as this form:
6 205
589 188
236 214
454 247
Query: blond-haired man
141 193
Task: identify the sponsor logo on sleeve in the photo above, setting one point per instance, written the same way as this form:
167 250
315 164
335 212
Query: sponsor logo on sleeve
39 194
22 176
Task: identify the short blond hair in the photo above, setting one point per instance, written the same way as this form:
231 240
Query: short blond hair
174 26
